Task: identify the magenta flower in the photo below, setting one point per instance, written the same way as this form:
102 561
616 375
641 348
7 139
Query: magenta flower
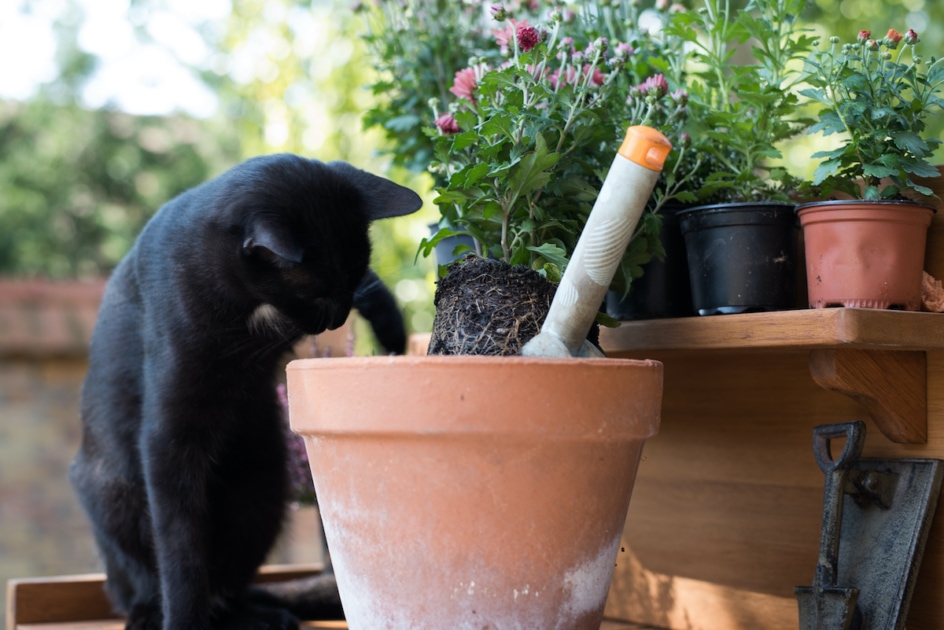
598 77
624 49
464 84
528 37
911 37
504 36
679 96
655 85
447 124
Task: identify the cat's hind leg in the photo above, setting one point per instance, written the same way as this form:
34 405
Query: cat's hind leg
121 525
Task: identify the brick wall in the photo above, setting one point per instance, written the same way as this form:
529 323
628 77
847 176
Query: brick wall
44 331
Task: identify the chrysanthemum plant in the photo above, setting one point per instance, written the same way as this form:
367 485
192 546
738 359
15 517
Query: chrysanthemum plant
747 98
524 144
878 93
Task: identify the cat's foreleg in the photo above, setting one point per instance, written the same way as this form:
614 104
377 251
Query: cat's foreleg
377 305
175 469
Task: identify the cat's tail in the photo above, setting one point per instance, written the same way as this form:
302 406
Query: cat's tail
311 598
374 301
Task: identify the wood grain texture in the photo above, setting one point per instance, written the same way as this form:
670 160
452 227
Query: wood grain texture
789 330
727 507
81 598
892 385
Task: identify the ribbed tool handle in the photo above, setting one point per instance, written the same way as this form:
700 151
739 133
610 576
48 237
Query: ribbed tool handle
610 226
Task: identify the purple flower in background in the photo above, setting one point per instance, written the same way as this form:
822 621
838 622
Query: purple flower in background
301 487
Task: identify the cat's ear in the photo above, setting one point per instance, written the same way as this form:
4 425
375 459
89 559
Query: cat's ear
382 198
273 243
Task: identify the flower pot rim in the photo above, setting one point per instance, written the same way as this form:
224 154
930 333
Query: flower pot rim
735 205
869 202
457 361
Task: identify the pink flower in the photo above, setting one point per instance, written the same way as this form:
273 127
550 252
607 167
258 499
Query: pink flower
911 37
464 84
598 77
655 85
528 37
447 124
864 35
624 49
679 96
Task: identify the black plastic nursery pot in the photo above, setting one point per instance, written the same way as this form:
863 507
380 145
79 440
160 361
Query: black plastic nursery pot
742 257
664 289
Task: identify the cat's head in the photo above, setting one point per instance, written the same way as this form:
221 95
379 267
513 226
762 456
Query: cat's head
301 229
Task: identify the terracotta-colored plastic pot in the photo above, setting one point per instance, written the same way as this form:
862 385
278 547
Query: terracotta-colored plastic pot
474 492
865 254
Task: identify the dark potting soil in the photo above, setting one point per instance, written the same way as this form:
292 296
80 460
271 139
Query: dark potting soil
489 307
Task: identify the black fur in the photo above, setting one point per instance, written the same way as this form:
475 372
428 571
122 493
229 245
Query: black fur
182 464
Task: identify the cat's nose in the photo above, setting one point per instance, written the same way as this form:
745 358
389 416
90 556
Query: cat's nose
338 316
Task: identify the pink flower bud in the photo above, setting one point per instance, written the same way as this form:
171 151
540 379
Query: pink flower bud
528 37
447 124
892 38
864 35
911 38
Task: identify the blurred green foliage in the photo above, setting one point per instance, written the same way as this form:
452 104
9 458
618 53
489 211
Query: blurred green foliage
77 185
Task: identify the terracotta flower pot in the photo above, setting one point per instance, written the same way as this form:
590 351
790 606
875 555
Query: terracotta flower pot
865 254
470 491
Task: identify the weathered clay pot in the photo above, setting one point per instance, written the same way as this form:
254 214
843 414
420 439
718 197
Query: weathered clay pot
470 491
865 254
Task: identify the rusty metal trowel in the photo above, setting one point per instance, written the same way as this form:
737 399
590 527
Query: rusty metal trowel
876 517
610 226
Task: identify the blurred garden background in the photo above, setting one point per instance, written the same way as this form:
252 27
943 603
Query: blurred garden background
108 108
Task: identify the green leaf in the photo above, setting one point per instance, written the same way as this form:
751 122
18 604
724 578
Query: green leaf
877 170
606 321
824 170
499 124
552 253
817 95
462 140
451 196
476 173
910 141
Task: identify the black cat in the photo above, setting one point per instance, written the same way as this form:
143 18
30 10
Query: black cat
182 464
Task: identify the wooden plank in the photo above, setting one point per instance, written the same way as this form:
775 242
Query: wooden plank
78 598
69 598
112 624
323 625
788 330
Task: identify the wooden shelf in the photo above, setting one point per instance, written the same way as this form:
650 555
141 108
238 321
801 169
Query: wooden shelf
875 357
78 602
785 330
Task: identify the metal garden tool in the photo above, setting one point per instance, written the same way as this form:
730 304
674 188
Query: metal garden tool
825 605
610 226
876 518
